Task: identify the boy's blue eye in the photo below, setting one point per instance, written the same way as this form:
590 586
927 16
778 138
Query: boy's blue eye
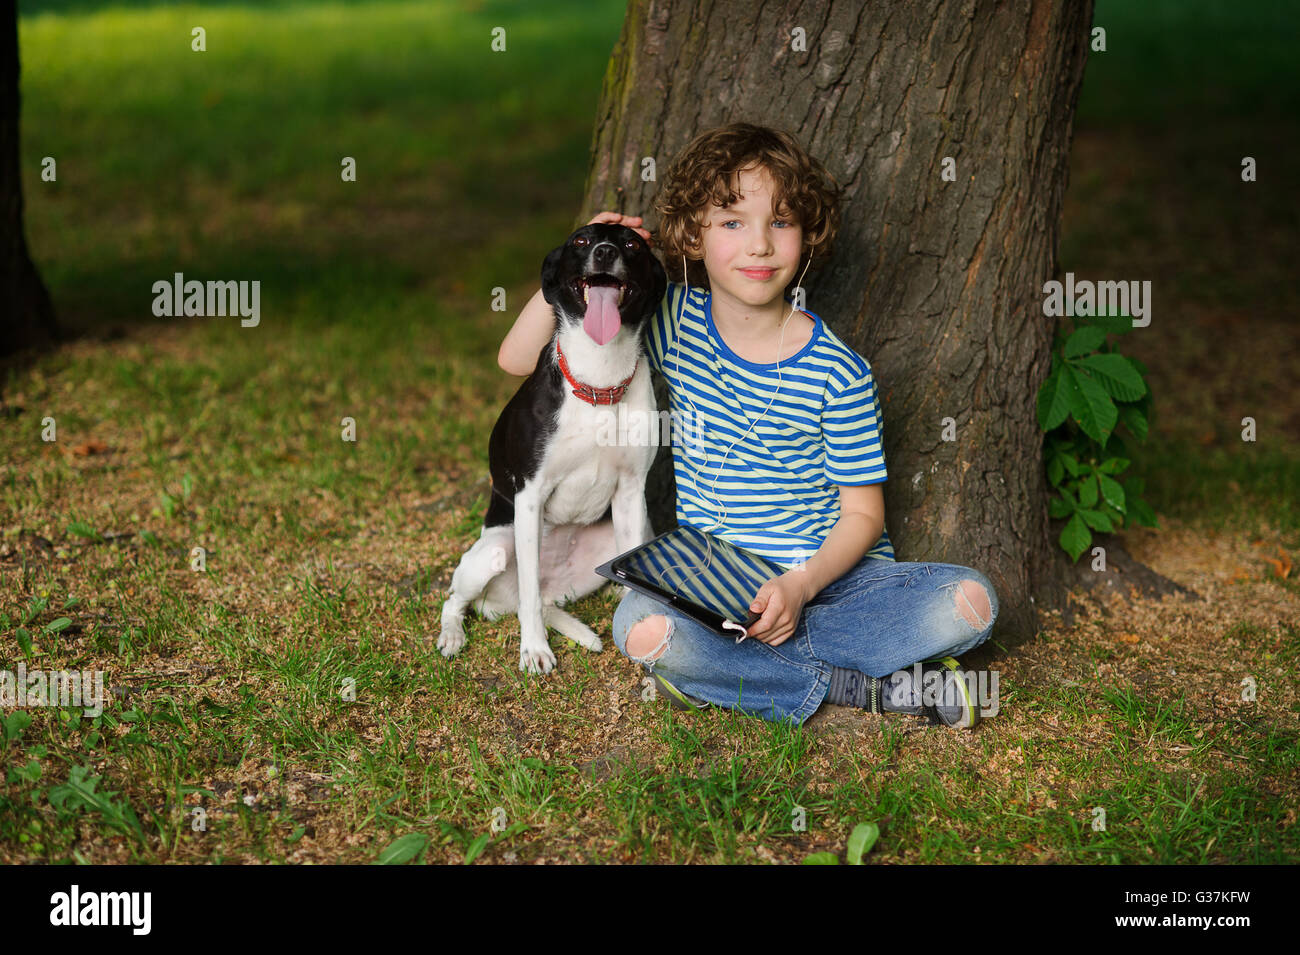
775 221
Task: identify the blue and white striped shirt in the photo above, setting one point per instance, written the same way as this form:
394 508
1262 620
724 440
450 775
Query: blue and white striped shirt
777 493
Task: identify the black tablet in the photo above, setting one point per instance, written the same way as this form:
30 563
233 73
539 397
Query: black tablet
705 577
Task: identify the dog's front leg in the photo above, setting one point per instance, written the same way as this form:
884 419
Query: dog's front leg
631 520
535 654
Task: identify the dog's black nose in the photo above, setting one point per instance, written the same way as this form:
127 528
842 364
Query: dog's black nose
604 255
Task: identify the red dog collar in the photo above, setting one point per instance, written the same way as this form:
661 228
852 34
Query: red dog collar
590 394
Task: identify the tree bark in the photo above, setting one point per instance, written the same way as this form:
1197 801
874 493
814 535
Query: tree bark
26 313
937 283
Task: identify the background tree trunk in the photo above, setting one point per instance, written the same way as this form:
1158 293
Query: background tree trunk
938 284
26 313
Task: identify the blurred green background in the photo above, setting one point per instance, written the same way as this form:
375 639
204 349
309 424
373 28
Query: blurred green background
227 162
471 166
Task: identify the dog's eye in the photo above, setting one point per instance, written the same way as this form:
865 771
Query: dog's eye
631 243
580 240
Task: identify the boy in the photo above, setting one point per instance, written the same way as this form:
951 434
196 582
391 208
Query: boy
787 458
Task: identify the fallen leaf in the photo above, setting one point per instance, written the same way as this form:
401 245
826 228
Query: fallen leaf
93 446
1129 637
1286 563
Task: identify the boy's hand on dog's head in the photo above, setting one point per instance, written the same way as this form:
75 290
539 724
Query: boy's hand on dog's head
617 218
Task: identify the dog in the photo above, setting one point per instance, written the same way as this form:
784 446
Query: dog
562 501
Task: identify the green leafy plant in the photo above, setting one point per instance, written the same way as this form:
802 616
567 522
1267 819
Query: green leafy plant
82 529
24 636
81 793
403 849
1092 391
861 839
171 504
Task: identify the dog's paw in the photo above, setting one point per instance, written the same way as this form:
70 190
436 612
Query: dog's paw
451 641
537 659
588 640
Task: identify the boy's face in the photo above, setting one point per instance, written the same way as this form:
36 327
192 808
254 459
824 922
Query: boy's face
751 253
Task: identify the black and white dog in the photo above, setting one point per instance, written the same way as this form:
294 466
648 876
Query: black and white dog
555 474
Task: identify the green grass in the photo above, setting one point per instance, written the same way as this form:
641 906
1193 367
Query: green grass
287 691
227 162
1222 488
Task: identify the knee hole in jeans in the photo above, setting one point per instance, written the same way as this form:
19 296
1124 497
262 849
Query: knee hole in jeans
973 603
648 638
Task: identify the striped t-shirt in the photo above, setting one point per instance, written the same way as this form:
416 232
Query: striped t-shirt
776 495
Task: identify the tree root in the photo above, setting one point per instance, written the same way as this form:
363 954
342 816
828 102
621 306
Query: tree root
1124 575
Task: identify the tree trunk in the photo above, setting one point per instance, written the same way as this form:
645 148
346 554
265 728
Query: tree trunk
937 283
26 313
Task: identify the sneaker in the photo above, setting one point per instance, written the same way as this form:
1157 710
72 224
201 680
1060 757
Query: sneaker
955 706
896 693
675 697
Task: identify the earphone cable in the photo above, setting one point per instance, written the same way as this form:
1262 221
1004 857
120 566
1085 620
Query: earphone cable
718 522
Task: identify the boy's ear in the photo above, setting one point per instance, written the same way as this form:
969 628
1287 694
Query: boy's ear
550 275
694 239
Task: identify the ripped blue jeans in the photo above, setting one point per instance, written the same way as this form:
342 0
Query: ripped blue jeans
880 616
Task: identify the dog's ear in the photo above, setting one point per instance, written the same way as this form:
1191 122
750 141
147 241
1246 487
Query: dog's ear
551 275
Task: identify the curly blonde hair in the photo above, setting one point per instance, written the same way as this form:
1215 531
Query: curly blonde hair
705 173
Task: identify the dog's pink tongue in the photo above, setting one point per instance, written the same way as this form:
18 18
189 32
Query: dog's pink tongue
602 322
